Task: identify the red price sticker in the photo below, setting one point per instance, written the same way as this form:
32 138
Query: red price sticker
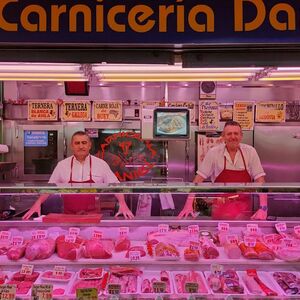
74 231
123 231
26 269
7 291
232 239
97 235
134 255
194 246
280 227
42 291
163 228
59 271
252 228
17 240
193 229
297 230
39 234
70 238
223 226
250 241
5 235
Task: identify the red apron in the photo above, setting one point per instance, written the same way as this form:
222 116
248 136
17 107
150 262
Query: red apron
239 208
83 203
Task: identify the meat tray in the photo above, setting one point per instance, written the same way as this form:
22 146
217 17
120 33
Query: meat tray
67 278
296 296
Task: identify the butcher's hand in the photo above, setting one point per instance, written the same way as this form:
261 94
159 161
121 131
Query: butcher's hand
187 209
36 208
260 215
124 210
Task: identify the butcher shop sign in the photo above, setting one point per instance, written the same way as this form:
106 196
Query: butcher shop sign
42 110
270 111
76 111
107 111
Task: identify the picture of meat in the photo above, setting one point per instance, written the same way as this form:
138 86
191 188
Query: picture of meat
40 249
168 124
95 249
68 250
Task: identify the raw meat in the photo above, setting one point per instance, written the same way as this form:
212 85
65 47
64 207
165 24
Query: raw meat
91 273
16 252
137 248
163 250
23 282
193 277
40 249
117 270
208 248
248 252
232 251
263 251
49 275
252 285
191 255
288 281
122 244
95 249
175 237
68 250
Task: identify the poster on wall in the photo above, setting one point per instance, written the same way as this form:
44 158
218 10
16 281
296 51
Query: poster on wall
42 110
107 111
188 104
270 111
208 115
243 113
226 112
76 111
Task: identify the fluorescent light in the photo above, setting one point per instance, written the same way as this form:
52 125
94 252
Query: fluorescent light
288 69
26 78
280 78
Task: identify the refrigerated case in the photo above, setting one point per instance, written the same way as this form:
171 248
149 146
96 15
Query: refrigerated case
127 256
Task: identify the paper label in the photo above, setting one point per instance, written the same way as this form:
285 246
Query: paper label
134 255
17 240
97 235
59 271
39 234
159 287
5 235
252 228
297 229
232 239
269 238
223 226
250 241
70 238
195 246
7 291
26 269
288 243
191 287
163 228
123 231
216 269
280 227
193 229
42 291
74 231
114 289
87 294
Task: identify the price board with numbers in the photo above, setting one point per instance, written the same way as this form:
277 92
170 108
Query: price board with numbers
87 294
8 291
159 287
42 291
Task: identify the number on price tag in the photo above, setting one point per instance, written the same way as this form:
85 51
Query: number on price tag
87 293
134 255
74 231
297 229
280 227
17 241
288 243
39 234
70 238
42 291
5 235
252 228
232 239
123 231
114 289
59 271
250 241
194 246
97 235
26 269
159 287
191 287
7 291
223 226
193 229
269 238
163 228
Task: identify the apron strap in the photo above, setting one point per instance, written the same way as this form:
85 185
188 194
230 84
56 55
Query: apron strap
244 162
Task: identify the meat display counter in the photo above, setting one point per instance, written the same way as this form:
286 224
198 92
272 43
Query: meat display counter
151 257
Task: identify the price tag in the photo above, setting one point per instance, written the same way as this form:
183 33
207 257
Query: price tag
163 228
159 287
70 238
97 235
5 235
114 289
87 294
297 229
42 291
252 228
280 227
191 287
193 229
232 239
195 246
250 241
269 238
134 255
8 291
26 269
216 269
223 226
74 231
123 231
17 240
59 271
39 234
288 243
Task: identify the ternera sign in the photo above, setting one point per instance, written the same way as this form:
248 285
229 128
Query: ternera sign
144 21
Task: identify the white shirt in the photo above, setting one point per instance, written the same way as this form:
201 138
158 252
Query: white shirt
101 172
213 163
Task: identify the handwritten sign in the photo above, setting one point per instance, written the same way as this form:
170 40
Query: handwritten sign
97 235
107 111
123 231
163 228
223 226
42 291
7 291
76 111
114 289
59 271
159 287
243 112
270 111
87 294
26 269
42 110
208 115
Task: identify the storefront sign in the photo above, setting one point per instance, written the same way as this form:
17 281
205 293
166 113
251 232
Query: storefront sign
188 104
107 111
42 110
243 113
270 111
208 115
76 111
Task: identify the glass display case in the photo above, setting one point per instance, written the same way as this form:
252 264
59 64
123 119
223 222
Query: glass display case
156 255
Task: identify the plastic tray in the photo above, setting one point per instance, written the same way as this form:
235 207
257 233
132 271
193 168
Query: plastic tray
91 278
270 274
151 274
57 279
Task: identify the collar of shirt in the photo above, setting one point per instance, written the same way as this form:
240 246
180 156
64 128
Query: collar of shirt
228 158
87 160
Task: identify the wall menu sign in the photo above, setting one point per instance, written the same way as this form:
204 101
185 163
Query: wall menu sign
208 115
243 112
270 111
76 111
188 104
42 110
152 22
107 111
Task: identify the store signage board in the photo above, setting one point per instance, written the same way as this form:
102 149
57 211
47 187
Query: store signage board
76 111
42 110
188 104
126 22
270 111
243 113
107 111
208 115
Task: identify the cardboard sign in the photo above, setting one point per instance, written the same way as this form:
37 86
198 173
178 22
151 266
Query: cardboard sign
191 287
26 269
42 291
270 111
76 111
42 110
110 111
159 287
87 294
243 113
114 289
208 115
59 271
8 291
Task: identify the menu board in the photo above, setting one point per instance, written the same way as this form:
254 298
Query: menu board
208 115
243 113
107 111
270 111
76 111
188 104
42 110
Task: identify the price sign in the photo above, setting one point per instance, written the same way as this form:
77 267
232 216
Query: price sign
5 235
297 229
123 231
195 246
159 287
7 291
163 228
193 229
223 226
97 235
39 234
288 243
59 271
26 269
269 238
70 238
191 287
216 269
114 289
42 291
232 239
87 294
252 228
250 241
17 241
74 231
280 227
134 255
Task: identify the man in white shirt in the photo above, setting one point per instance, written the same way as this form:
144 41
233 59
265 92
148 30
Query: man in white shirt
231 162
81 167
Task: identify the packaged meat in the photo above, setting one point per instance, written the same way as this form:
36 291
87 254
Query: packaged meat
40 249
179 238
191 255
288 282
118 270
23 282
136 248
153 279
95 249
208 249
232 251
88 273
122 244
165 251
50 276
69 250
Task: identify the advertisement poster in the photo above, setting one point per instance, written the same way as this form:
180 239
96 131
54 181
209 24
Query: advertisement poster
42 110
76 111
188 104
107 111
243 113
270 111
208 115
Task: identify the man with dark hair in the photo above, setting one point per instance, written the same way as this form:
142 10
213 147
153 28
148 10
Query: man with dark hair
81 167
231 162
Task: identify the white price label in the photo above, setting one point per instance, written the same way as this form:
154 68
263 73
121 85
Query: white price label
159 287
269 238
280 227
59 271
42 291
193 229
194 246
123 231
97 235
26 269
17 240
232 239
8 291
114 289
288 243
134 255
5 235
70 238
297 229
191 287
252 228
216 269
163 228
250 241
223 226
74 231
39 234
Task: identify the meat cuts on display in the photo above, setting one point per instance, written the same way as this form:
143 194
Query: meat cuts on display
95 249
69 250
40 249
